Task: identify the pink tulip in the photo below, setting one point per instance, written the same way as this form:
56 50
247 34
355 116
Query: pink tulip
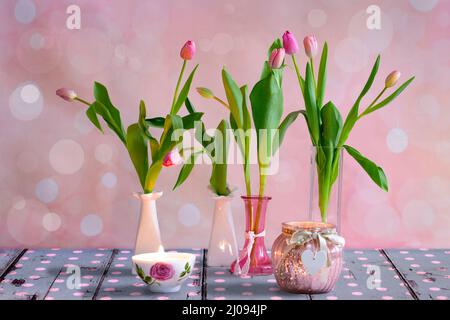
310 44
392 79
173 158
188 50
276 58
290 43
66 94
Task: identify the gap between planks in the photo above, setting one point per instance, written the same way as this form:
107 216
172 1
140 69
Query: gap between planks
105 272
12 263
402 277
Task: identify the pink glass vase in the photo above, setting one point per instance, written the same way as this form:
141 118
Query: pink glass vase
254 259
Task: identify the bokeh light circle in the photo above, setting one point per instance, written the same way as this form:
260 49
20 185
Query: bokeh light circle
91 225
25 11
66 156
317 18
189 215
47 190
397 140
26 102
51 222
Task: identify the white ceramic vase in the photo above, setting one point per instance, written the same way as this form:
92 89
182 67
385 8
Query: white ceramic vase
222 249
148 237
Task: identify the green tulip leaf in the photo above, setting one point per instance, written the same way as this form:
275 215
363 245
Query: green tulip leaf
112 116
312 111
331 125
322 78
183 93
137 148
190 119
352 116
92 116
281 132
157 122
186 169
234 97
218 180
375 172
190 108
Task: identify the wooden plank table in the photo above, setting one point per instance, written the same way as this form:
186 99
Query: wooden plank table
105 274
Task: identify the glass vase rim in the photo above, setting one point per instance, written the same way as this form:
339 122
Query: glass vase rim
290 227
313 147
256 198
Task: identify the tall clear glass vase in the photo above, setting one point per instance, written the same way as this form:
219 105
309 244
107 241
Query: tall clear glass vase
326 166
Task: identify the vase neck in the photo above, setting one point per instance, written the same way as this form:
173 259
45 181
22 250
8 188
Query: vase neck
255 213
148 197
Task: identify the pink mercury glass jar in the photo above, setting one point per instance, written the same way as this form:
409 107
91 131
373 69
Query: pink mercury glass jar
307 257
253 258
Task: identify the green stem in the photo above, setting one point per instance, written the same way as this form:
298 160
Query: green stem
222 102
299 77
82 101
373 103
178 85
314 75
152 176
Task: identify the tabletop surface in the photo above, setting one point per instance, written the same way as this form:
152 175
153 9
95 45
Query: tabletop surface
105 274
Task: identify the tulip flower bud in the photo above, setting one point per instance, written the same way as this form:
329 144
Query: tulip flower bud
188 50
392 79
310 44
290 43
173 158
205 93
276 58
66 94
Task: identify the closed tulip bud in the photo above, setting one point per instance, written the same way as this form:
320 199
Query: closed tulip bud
173 158
290 43
311 46
188 50
66 94
205 93
276 58
392 79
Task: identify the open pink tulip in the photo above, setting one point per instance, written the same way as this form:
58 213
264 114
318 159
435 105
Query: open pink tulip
188 50
276 58
290 43
173 158
310 44
66 94
392 79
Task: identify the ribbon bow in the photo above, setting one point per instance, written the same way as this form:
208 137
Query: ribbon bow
246 252
300 237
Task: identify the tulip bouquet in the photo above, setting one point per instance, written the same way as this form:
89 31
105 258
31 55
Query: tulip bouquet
327 130
266 110
137 138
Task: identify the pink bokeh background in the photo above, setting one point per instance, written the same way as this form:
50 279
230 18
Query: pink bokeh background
64 184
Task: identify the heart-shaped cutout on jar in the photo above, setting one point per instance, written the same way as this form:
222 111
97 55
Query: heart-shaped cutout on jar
314 262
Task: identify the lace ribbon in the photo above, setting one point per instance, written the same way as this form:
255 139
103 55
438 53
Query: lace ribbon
246 252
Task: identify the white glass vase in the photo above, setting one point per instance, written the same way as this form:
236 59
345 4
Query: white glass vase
148 237
222 249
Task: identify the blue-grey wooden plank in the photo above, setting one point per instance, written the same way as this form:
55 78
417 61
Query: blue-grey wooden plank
221 284
41 274
120 284
367 275
426 271
7 257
